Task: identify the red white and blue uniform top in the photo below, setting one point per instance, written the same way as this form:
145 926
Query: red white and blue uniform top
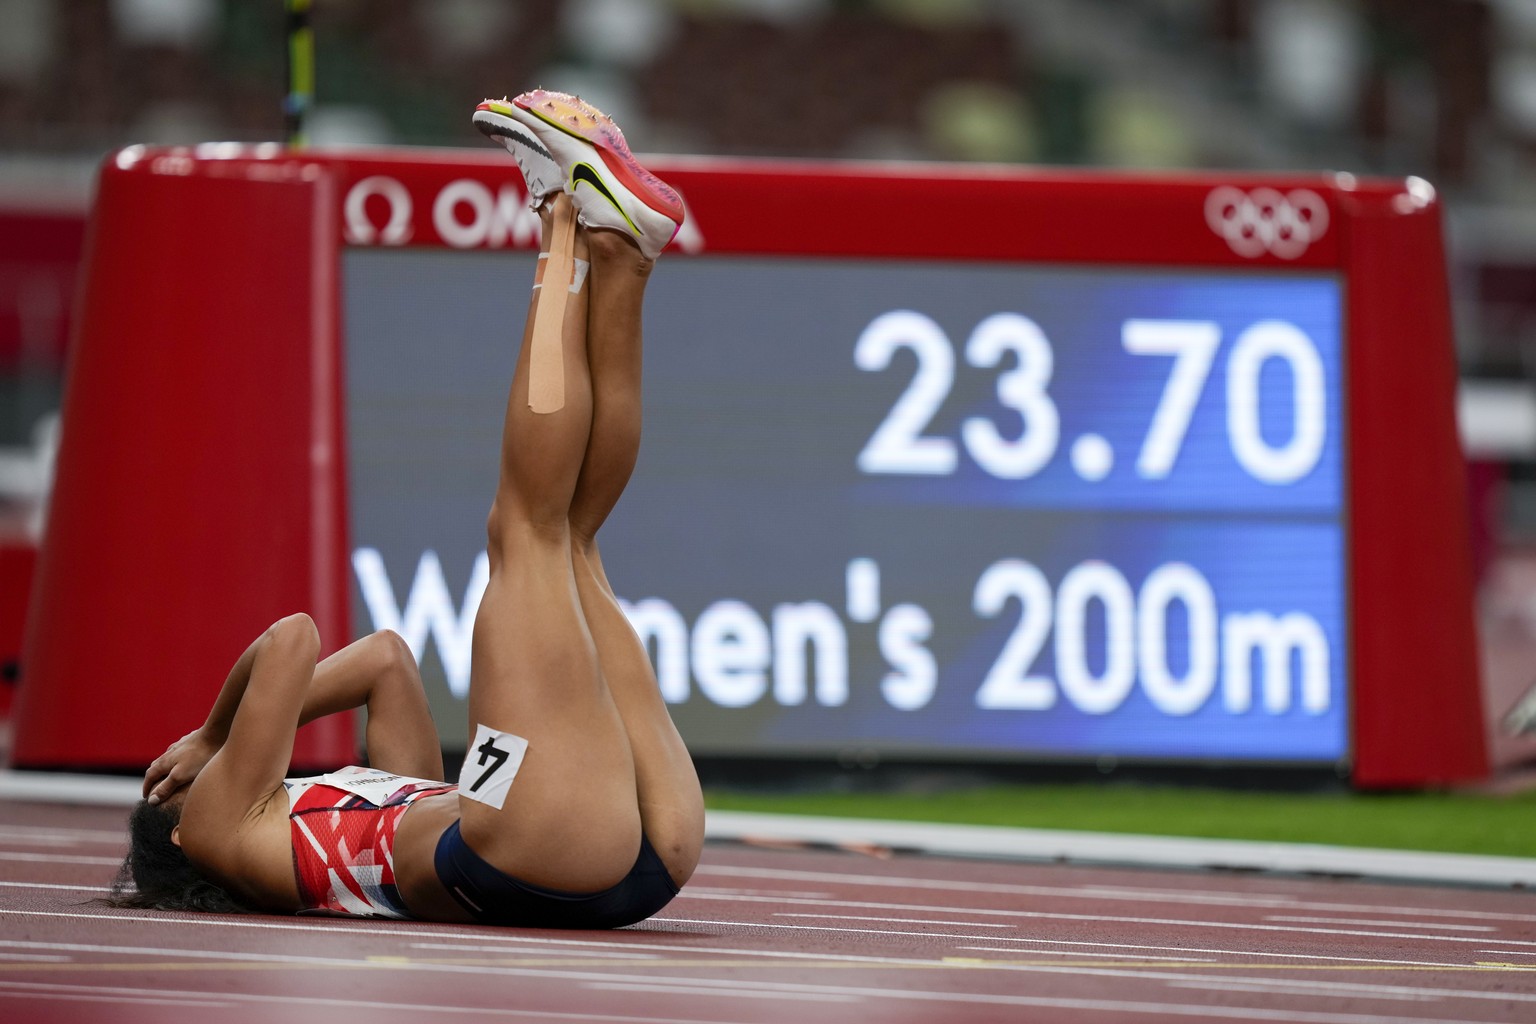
343 825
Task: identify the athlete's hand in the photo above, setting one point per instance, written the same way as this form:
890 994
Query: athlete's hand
178 766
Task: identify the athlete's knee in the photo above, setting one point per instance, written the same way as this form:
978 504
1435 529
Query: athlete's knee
294 631
395 645
510 524
395 654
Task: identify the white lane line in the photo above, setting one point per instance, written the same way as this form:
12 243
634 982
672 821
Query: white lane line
360 929
1355 990
1345 990
1277 902
503 950
51 834
209 954
58 858
56 885
894 920
744 992
690 950
1079 952
705 890
1510 952
309 1001
42 958
1280 988
1381 924
70 788
141 1000
856 931
1137 892
1095 892
1220 952
855 904
1104 919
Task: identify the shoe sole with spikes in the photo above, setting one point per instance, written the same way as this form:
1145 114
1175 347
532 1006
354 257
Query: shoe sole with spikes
498 121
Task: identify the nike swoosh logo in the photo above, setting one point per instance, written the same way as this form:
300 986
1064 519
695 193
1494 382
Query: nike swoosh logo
531 143
587 173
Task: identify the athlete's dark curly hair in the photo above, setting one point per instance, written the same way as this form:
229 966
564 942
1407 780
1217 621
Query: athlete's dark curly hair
156 875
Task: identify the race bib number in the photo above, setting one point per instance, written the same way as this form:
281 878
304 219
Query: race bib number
490 766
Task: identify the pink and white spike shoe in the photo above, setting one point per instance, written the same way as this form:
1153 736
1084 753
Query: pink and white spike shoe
610 188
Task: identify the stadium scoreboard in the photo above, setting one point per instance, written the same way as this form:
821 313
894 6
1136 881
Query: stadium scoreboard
939 464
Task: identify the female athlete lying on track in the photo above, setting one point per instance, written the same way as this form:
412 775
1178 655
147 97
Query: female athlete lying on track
578 806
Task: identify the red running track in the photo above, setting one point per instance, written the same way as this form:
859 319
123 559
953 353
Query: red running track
774 935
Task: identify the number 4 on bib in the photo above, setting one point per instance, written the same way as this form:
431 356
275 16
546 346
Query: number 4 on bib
490 766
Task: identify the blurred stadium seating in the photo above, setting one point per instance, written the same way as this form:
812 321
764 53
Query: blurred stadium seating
1441 88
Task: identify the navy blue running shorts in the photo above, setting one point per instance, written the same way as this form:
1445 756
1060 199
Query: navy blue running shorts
494 898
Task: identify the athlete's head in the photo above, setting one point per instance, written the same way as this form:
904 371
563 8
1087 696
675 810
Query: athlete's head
156 875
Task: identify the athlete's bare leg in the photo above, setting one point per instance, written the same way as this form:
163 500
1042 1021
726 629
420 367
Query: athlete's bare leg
571 819
671 806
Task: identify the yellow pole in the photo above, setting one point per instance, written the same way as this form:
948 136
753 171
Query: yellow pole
301 72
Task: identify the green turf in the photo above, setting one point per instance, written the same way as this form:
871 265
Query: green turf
1448 822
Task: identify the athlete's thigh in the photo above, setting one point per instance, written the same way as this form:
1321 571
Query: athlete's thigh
671 804
568 819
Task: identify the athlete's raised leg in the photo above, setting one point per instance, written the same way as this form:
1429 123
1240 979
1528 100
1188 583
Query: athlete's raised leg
570 819
671 805
560 141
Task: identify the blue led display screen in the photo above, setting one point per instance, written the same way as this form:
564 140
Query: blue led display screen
919 509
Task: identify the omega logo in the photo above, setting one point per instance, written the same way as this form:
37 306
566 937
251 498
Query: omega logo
1264 220
360 228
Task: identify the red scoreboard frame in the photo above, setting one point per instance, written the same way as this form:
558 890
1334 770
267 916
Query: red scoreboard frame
201 484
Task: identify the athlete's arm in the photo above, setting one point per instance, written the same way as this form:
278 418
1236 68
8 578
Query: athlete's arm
226 822
184 759
377 672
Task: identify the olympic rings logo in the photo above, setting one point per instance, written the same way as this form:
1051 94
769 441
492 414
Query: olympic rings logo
1263 220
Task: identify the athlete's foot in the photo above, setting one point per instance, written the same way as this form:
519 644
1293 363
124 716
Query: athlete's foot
497 120
611 190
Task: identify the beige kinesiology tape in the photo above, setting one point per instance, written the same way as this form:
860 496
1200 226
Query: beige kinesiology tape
546 360
579 276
